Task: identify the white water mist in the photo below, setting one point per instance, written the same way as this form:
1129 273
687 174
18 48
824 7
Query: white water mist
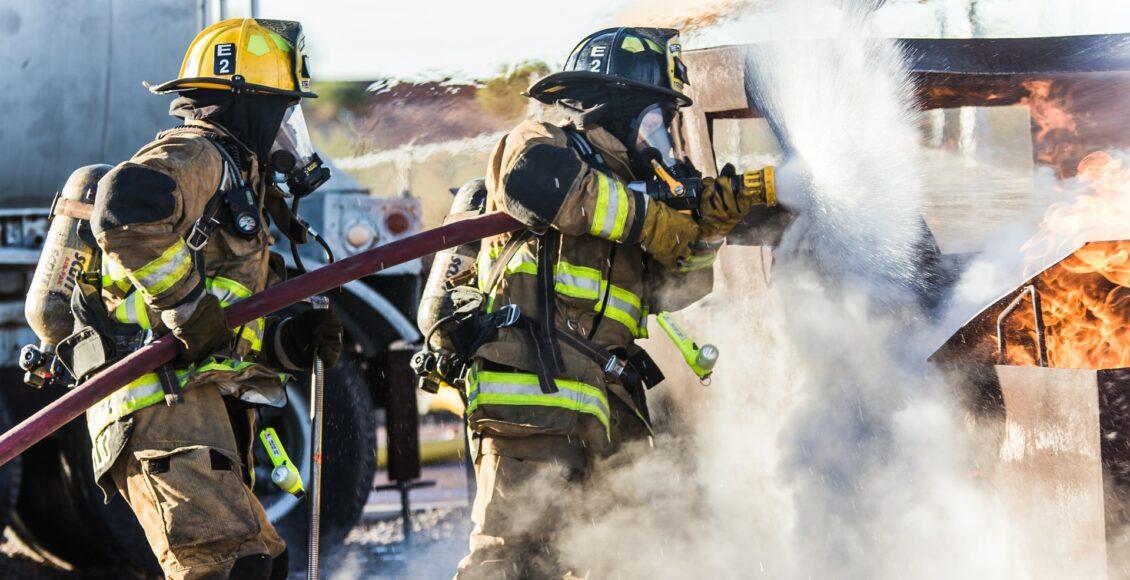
825 446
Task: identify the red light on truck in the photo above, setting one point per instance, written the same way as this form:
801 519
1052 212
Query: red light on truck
397 222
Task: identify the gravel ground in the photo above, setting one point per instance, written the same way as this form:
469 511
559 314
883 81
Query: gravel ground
375 549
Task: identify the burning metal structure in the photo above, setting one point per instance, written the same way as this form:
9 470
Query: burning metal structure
1046 367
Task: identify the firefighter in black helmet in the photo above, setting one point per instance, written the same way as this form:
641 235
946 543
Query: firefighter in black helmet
562 386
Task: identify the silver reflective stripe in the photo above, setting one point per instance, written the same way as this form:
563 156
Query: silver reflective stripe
164 271
623 305
144 392
589 286
612 205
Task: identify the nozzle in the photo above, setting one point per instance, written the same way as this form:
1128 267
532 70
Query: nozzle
761 184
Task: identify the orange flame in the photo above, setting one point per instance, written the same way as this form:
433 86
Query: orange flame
1054 130
1086 296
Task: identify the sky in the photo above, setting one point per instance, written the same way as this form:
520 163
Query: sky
368 39
364 39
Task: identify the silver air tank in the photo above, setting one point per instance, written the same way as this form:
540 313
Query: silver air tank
68 252
452 265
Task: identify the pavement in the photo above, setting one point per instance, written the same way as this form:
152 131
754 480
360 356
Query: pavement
440 524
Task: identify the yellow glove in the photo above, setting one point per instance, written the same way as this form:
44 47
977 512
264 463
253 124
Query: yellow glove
667 234
726 200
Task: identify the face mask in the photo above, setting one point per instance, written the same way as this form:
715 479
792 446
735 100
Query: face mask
293 155
652 137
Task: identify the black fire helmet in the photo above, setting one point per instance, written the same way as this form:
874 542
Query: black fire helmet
647 60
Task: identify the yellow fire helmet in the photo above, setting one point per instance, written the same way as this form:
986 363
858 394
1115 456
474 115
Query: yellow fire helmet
245 54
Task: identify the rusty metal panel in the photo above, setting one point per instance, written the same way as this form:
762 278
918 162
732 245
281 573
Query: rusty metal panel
717 78
1050 476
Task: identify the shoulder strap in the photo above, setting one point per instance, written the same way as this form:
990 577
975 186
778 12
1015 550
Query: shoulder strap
581 145
512 246
205 225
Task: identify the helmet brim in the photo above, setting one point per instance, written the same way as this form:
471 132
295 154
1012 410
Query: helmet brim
566 84
177 85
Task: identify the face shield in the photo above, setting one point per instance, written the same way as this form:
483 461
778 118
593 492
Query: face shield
294 157
653 139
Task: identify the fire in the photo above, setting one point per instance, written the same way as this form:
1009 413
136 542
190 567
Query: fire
1054 128
1086 296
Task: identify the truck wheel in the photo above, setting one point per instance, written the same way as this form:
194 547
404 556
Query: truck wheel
350 458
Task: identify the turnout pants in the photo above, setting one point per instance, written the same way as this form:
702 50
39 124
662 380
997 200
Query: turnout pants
181 474
526 487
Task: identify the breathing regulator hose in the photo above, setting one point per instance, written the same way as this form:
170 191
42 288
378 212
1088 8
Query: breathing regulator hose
298 265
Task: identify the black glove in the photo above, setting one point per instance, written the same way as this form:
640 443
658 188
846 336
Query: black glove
204 332
309 333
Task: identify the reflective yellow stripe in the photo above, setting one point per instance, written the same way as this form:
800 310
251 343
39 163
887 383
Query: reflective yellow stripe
225 365
229 291
522 389
585 283
621 211
252 332
162 273
623 307
143 392
219 284
133 310
611 208
577 281
598 217
114 275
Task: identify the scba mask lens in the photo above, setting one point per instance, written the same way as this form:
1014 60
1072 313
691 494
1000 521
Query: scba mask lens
653 136
293 155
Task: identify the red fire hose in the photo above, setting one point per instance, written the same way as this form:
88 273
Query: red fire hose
65 408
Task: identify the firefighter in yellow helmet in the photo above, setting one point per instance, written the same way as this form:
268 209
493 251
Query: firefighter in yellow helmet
558 382
182 232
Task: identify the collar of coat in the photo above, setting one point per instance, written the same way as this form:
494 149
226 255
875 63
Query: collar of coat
252 159
615 152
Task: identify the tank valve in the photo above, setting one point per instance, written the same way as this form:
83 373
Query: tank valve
40 365
434 368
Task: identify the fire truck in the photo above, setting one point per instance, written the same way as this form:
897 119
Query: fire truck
81 101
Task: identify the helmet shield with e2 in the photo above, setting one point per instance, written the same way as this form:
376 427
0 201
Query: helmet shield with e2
635 59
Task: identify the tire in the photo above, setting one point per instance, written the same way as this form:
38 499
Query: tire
62 516
350 459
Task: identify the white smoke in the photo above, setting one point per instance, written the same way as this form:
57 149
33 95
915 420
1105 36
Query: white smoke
825 446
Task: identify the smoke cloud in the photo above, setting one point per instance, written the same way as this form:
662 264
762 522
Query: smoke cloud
825 447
